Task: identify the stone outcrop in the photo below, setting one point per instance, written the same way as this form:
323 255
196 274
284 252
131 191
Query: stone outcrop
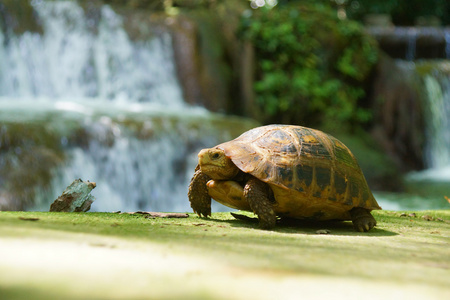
75 198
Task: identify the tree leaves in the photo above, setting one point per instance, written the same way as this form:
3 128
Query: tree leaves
310 64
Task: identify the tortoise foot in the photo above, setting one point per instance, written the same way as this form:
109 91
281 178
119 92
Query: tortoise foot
198 195
267 220
362 219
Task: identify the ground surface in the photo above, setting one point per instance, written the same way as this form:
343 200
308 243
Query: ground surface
118 256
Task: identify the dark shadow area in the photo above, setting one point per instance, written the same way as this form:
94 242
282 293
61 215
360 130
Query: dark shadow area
294 226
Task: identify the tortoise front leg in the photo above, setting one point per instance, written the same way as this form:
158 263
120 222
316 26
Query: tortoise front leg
198 194
362 219
257 194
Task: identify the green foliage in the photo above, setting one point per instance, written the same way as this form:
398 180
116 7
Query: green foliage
28 153
311 66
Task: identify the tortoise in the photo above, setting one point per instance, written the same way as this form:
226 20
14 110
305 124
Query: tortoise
284 171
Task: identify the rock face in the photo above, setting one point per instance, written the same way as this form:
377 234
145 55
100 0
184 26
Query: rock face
75 198
413 43
411 109
398 116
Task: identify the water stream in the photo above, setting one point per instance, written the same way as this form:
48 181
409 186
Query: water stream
84 74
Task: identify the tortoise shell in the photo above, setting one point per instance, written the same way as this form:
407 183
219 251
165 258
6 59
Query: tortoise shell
312 174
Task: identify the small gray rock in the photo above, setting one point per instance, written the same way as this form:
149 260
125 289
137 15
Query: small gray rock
75 198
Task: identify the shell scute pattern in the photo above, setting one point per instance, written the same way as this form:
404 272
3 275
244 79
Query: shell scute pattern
301 165
323 177
306 173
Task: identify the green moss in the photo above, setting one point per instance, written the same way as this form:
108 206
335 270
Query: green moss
400 250
28 154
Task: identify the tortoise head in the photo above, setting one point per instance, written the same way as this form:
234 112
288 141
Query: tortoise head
214 163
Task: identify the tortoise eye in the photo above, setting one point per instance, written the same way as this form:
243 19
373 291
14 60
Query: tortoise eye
215 156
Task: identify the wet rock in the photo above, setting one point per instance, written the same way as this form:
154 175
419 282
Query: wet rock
398 115
75 198
412 43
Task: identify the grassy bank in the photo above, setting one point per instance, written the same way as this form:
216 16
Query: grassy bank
121 256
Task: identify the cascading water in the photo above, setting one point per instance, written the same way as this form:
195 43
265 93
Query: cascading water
437 87
114 105
80 56
422 81
435 79
426 189
447 44
411 45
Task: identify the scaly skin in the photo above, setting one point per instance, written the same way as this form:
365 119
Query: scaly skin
198 194
362 219
257 193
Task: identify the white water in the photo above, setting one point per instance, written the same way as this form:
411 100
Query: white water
411 44
436 87
131 174
86 72
77 58
428 188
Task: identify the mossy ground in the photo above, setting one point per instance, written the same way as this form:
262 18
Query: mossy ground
121 256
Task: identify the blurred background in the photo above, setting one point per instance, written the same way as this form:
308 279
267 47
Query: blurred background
125 93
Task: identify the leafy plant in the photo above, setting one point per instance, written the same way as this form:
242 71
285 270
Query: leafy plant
311 66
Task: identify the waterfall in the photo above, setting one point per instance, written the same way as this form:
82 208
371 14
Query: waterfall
434 78
111 103
437 95
422 54
411 44
81 56
447 44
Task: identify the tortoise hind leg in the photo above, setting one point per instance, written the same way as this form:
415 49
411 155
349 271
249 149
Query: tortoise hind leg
362 219
257 194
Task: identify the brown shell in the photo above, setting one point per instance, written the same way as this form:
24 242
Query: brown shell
312 174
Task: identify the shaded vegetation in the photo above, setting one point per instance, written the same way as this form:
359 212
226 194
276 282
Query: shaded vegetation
403 13
28 154
311 66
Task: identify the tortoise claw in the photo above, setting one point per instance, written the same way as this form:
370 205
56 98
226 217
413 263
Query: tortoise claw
362 219
364 227
202 214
